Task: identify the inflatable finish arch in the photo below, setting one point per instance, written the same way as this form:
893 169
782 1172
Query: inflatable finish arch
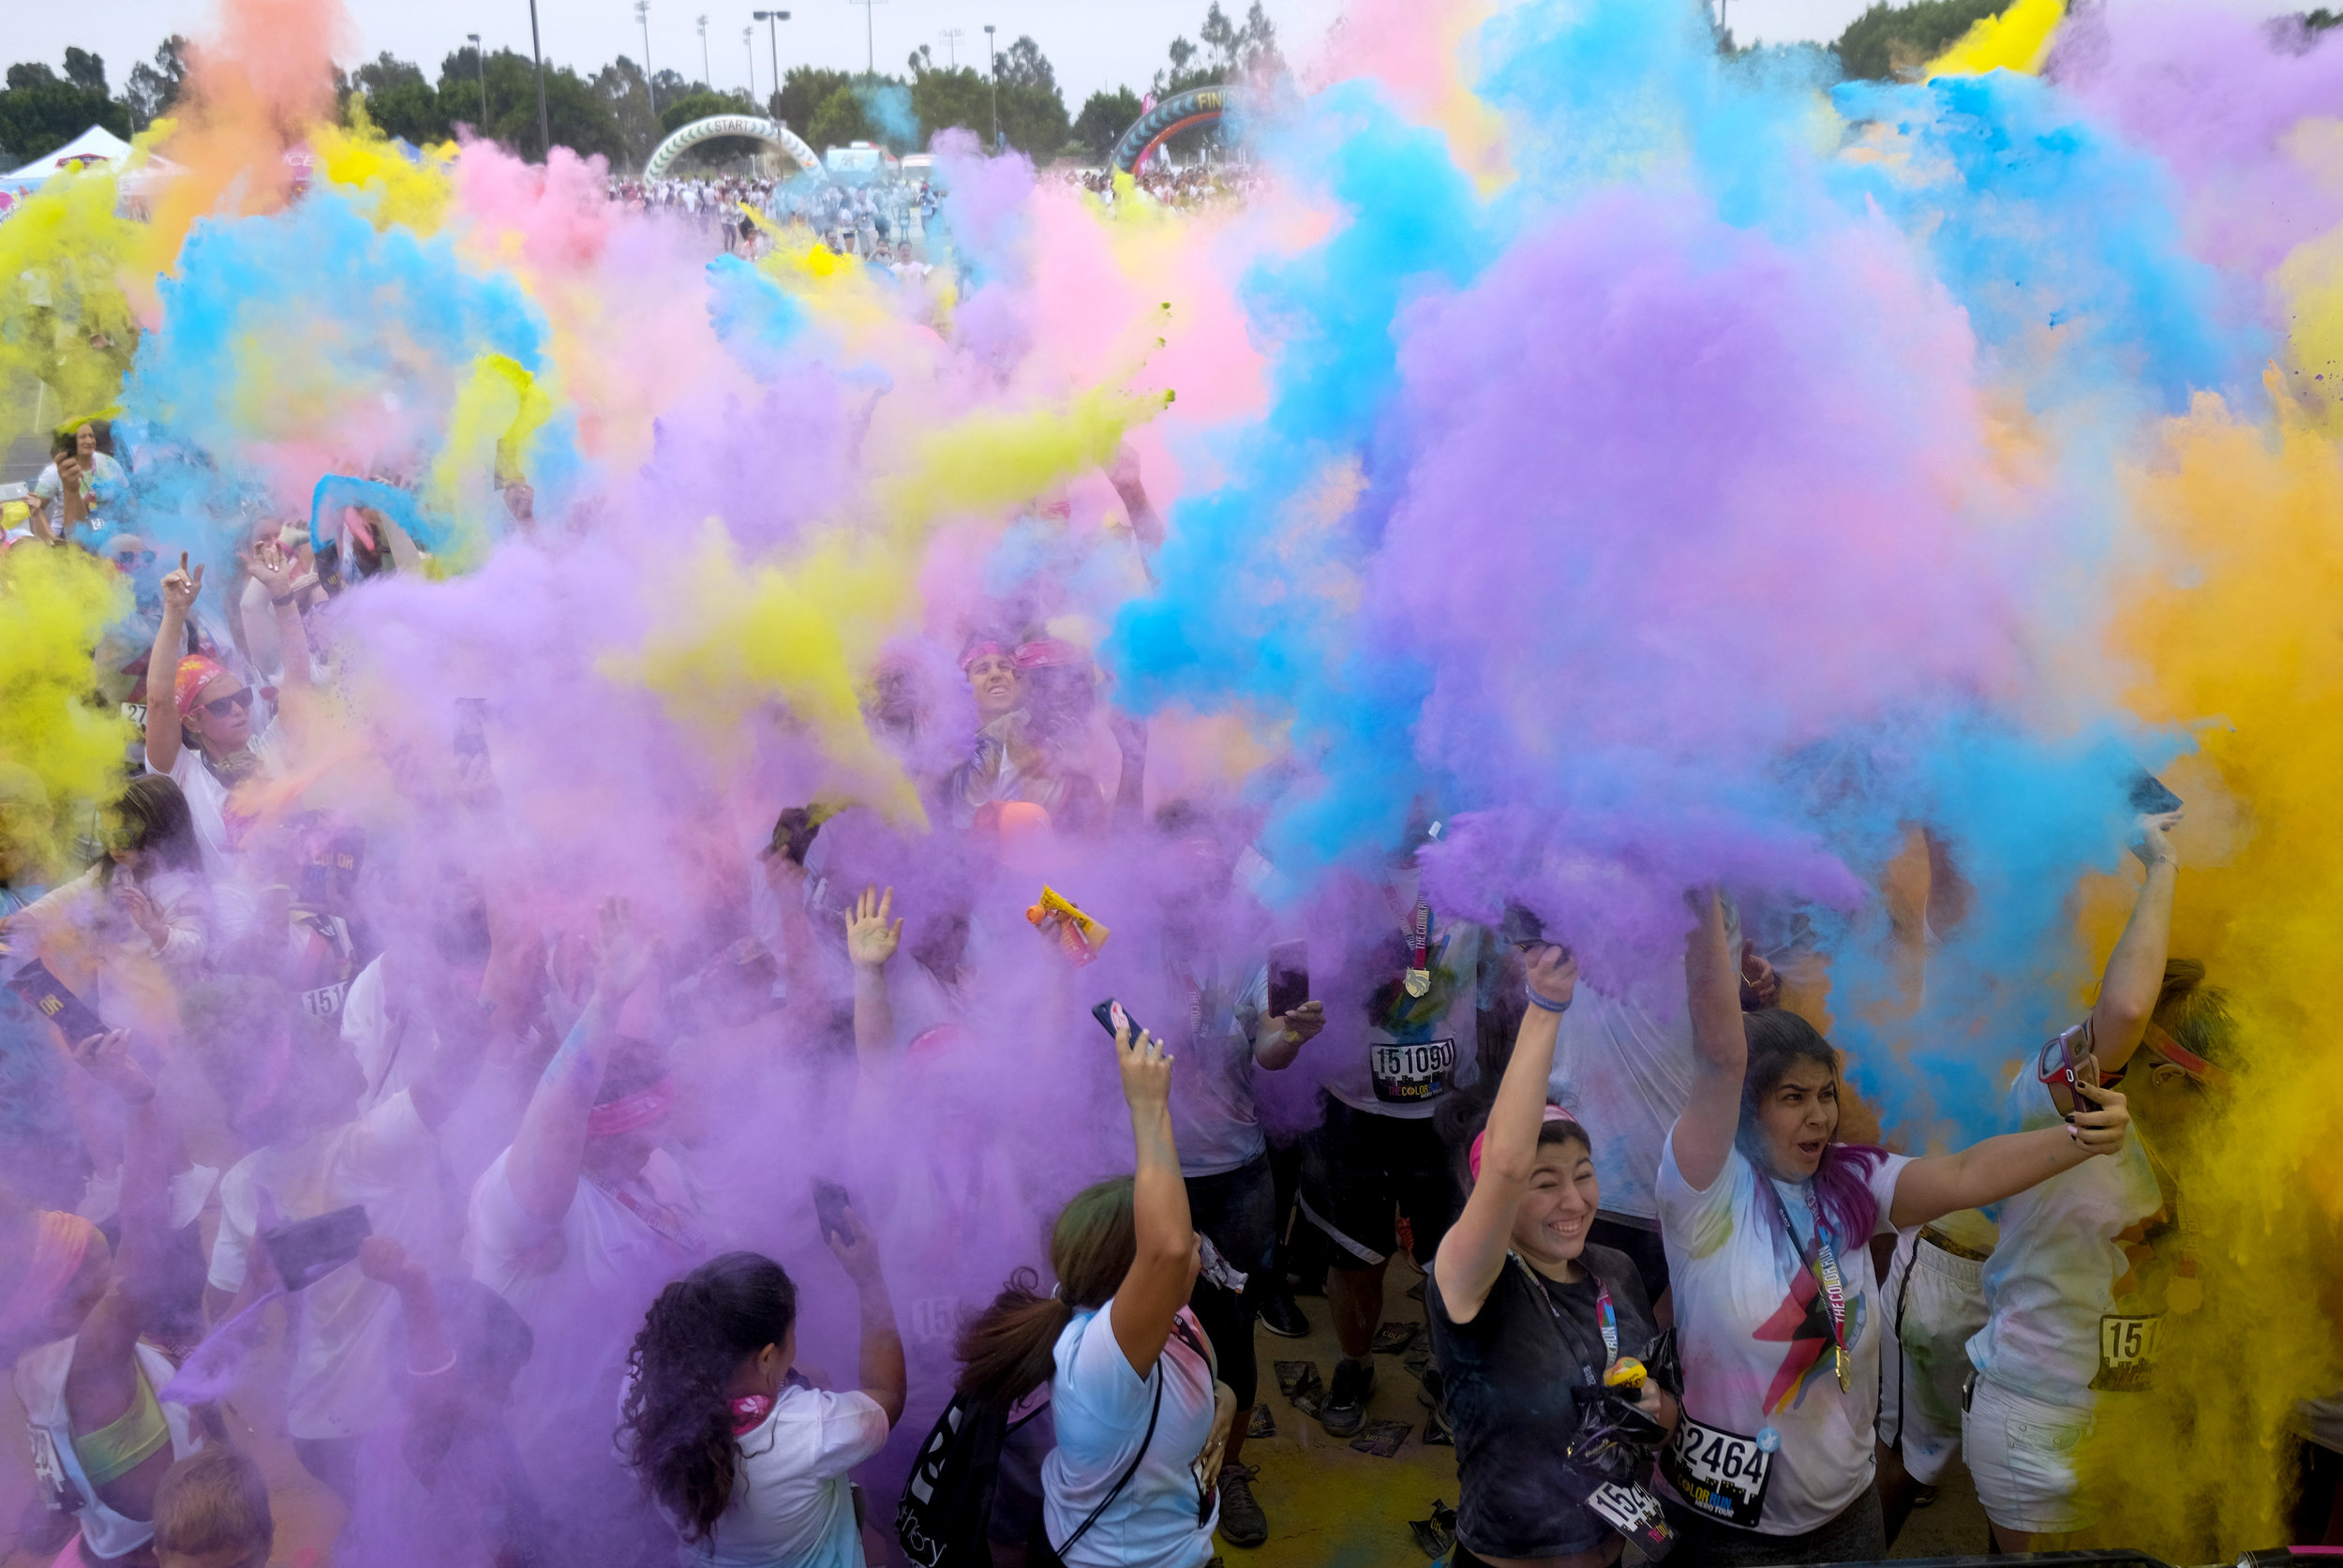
1196 105
772 132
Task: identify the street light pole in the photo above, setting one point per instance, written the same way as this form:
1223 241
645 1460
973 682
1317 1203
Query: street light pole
707 72
651 82
773 21
952 37
537 53
992 64
870 62
748 46
480 65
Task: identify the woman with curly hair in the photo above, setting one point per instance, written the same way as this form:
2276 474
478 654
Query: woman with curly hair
746 1458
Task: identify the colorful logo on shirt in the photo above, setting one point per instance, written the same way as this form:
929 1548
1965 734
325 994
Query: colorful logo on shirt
1803 1321
1412 1019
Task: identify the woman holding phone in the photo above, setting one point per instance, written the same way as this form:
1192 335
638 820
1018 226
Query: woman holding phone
1768 1220
1142 1418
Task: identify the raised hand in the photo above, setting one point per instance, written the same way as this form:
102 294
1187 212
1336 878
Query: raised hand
2149 843
1146 1071
871 938
1304 1023
1553 974
621 957
856 1252
272 568
134 903
180 588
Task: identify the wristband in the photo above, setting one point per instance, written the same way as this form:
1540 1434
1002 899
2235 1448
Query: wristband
1537 1001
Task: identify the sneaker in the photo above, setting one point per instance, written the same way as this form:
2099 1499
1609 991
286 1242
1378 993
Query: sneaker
1242 1522
1345 1411
1282 1317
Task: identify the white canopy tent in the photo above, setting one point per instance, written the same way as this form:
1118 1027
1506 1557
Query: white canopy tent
95 148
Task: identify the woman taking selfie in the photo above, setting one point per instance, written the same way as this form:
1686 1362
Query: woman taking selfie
1769 1220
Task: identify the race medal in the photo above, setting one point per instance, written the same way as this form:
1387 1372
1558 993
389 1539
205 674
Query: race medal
1418 979
1839 1355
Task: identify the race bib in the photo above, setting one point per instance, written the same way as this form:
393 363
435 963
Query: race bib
1411 1074
2126 1353
324 1003
1721 1475
1635 1514
57 1492
936 1319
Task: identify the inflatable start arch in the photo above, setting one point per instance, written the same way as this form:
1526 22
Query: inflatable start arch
755 127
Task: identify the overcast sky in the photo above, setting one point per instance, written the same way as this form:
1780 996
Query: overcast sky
1094 43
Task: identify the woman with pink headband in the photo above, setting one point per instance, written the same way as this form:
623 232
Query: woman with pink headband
102 1437
1527 1317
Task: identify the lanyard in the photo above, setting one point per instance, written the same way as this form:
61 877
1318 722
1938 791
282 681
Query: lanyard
1827 1270
660 1220
1605 1315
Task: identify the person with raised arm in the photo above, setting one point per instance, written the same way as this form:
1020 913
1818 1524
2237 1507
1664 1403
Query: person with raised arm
201 728
1142 1420
1527 1313
1768 1220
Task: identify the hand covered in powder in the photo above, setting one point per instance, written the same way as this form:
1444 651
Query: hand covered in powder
621 957
180 588
855 1250
2148 840
106 1059
1146 1071
871 936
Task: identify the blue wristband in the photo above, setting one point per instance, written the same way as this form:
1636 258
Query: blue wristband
1537 1001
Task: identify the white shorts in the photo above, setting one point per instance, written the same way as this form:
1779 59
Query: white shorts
1936 1300
2022 1454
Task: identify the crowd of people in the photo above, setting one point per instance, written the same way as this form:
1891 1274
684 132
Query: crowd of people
863 220
488 1151
1195 184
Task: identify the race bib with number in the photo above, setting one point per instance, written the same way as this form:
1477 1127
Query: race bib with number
1411 1074
2126 1353
324 1003
1721 1475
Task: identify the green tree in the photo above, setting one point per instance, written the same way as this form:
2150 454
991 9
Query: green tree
623 91
401 102
1033 112
1104 118
85 70
40 111
1230 50
838 121
805 89
150 91
944 98
1888 41
580 118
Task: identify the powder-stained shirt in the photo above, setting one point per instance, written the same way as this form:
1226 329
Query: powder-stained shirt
1769 1442
2075 1285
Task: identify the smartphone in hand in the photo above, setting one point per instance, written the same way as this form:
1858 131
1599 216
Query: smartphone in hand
1289 976
830 1202
1104 1012
306 1250
53 1001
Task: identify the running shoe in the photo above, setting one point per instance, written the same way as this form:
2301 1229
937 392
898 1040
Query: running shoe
1345 1411
1242 1521
1282 1317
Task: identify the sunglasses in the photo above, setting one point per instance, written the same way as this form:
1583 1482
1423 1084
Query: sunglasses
127 559
2067 1060
217 707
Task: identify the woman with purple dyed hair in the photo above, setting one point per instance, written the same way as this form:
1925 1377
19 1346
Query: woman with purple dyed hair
1769 1220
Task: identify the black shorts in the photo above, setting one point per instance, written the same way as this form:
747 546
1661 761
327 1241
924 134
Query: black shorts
1361 1171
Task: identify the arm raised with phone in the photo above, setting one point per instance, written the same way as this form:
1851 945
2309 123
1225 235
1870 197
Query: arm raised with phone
1163 1271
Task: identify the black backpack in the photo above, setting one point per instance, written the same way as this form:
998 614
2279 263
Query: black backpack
946 1506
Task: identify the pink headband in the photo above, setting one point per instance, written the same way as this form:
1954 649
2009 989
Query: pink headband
631 1112
196 672
977 651
60 1244
1473 1156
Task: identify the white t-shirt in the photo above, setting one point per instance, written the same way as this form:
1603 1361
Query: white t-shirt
1626 1070
1101 1408
208 801
2076 1284
1394 1054
344 1324
1769 1442
1215 1124
791 1505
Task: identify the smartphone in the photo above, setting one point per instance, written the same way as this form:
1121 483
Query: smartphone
1104 1012
2151 797
54 1002
1289 976
829 1210
306 1250
472 726
793 833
